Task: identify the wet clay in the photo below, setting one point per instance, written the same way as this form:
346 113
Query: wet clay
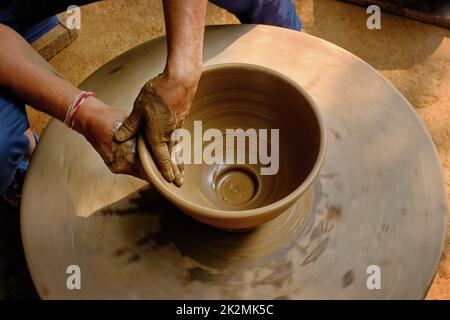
236 186
239 196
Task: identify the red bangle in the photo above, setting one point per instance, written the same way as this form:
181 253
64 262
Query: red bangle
72 111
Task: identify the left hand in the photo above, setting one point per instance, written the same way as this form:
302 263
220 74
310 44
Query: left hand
98 123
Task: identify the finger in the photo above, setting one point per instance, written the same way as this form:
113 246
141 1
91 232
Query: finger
181 165
177 151
162 157
123 157
180 120
178 178
131 161
129 128
180 160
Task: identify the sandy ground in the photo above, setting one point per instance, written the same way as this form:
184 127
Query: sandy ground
414 56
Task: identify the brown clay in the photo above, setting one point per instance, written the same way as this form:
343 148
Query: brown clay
236 187
239 196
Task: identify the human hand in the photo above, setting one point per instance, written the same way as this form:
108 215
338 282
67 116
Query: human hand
98 123
160 109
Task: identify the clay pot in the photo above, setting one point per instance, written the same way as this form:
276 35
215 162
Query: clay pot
233 195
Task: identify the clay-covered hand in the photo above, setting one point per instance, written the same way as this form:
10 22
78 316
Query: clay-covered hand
99 131
152 114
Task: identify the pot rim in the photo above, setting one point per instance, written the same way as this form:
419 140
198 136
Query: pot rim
162 185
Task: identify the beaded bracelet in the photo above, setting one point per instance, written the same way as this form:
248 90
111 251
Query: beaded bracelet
71 112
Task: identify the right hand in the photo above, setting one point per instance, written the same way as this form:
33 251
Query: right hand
159 109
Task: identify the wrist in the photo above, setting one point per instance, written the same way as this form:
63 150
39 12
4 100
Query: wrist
88 116
186 75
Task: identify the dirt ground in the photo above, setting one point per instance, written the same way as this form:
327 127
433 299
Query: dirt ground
414 56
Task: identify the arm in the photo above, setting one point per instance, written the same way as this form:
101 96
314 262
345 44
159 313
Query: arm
24 72
185 23
169 96
28 75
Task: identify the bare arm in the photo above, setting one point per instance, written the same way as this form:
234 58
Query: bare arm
185 23
29 76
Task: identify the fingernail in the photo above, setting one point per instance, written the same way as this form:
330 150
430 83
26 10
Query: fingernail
178 178
169 176
118 135
179 181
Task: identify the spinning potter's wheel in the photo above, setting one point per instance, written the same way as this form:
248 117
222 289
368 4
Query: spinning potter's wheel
378 200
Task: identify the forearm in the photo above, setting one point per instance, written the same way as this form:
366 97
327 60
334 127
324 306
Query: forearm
30 77
185 23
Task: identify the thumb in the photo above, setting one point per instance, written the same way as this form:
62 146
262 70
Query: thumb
129 128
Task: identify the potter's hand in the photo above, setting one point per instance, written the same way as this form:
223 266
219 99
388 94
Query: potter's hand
164 102
98 123
152 113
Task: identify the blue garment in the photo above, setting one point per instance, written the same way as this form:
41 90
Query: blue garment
281 13
13 142
13 117
40 29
